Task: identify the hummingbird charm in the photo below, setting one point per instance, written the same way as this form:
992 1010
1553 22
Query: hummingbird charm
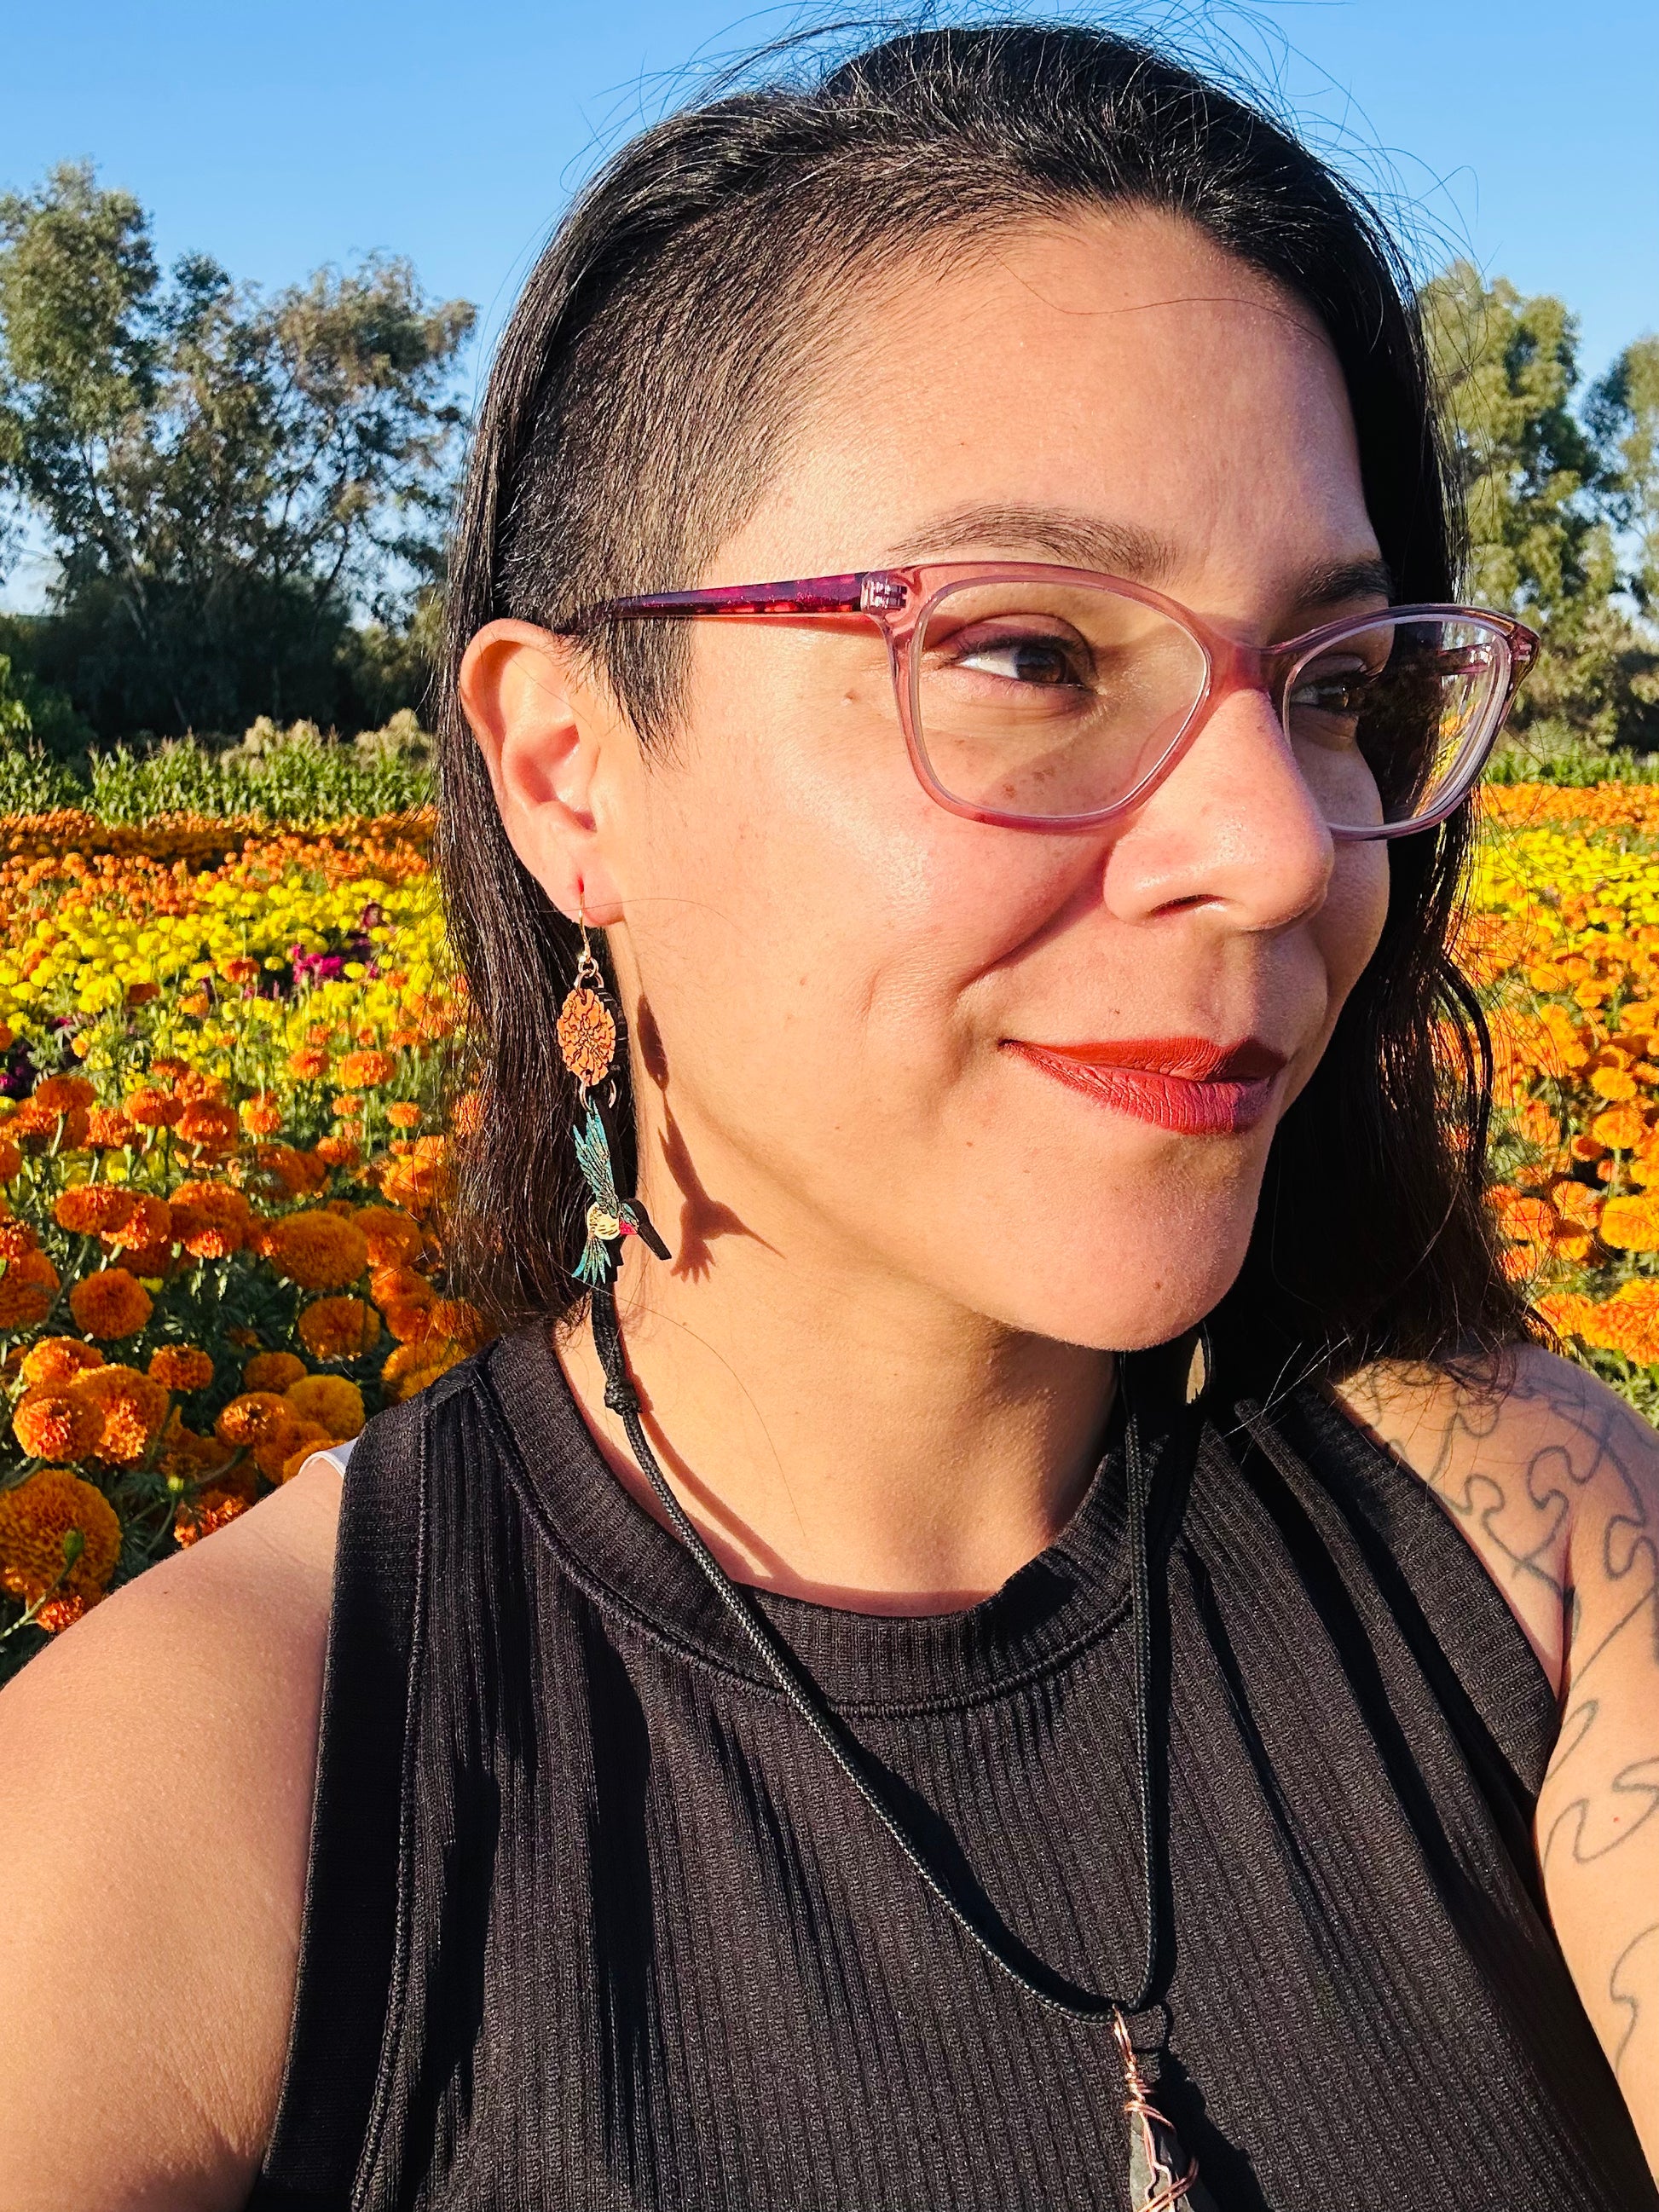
609 1218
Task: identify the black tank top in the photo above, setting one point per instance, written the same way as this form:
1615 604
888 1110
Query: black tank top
592 1922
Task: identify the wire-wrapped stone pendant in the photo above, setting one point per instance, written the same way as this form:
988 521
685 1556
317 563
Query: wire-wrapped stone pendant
1162 2177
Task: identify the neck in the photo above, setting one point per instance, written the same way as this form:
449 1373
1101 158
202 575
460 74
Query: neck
839 1435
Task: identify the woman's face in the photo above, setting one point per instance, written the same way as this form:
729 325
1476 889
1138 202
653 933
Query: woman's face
842 979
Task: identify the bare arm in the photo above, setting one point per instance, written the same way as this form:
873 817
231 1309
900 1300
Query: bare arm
156 1767
1556 1486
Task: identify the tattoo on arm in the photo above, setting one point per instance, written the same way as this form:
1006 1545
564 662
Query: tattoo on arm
1620 1989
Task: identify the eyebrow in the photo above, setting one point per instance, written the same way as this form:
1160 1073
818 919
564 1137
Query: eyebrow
1117 549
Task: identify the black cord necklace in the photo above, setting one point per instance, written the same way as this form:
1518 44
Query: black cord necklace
1161 2176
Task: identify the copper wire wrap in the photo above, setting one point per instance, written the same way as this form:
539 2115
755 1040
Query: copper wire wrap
1139 2107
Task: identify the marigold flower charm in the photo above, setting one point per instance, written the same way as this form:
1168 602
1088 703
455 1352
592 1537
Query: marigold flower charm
587 1035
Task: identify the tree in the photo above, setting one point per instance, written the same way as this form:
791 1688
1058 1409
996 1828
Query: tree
1624 416
228 481
1541 491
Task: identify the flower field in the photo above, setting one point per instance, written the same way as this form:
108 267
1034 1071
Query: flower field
221 1055
223 1050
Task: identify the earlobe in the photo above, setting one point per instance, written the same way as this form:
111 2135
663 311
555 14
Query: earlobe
530 708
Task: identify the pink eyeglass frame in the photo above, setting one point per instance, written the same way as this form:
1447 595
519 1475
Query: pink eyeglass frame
899 601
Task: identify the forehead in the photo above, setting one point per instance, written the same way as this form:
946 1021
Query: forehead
1117 366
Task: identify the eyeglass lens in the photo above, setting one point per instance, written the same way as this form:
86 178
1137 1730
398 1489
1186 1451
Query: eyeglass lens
1059 700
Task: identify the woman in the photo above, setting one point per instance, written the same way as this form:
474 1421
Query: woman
1044 1588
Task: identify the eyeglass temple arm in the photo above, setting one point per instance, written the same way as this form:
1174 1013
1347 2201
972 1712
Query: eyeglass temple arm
866 591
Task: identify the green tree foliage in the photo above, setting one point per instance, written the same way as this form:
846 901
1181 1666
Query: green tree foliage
230 481
1549 498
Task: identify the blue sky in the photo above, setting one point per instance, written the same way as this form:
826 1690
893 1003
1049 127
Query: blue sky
277 137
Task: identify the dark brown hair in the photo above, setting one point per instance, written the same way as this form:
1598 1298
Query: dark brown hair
637 405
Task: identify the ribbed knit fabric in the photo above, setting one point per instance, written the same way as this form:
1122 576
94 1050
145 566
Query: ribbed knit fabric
593 1923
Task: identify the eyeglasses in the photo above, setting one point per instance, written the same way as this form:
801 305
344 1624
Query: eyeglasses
1039 698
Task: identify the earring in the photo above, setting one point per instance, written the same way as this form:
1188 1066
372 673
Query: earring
589 1030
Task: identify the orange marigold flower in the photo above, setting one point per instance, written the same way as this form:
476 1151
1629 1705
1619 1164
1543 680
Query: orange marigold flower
339 1152
469 1111
208 1510
411 1367
247 1337
333 1400
109 1127
262 1113
338 1328
273 1372
169 1070
1583 1146
152 1110
43 1520
272 1453
141 994
393 1237
1613 1083
459 1322
211 1219
54 1423
346 1108
1621 1127
181 1367
254 1418
209 1127
89 1209
134 1408
309 1064
16 1237
242 968
62 1094
1631 1224
317 1250
11 1159
403 1114
1566 1311
110 1302
366 1071
188 1455
54 1359
26 1291
298 1173
401 1286
148 1222
1576 1201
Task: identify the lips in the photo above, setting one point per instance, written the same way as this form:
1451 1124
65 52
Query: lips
1188 1084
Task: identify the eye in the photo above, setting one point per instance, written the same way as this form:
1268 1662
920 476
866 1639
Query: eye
1340 689
1047 659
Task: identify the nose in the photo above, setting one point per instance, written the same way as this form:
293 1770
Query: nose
1233 825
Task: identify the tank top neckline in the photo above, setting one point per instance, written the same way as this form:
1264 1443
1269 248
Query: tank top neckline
1069 1595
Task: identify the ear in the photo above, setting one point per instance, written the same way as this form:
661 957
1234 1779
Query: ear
545 731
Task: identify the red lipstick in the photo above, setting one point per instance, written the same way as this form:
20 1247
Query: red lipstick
1189 1084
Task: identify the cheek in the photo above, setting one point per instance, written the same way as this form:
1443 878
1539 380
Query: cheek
1350 925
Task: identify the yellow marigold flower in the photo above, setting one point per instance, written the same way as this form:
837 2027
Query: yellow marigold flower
1613 1083
54 1423
319 1250
1621 1127
338 1328
211 1219
152 1110
309 1064
209 1127
134 1408
54 1360
181 1367
110 1302
254 1418
35 1519
366 1071
62 1094
411 1367
274 1372
333 1400
403 1114
26 1291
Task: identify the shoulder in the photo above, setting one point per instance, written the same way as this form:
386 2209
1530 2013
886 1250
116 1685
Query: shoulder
1534 1457
156 1771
